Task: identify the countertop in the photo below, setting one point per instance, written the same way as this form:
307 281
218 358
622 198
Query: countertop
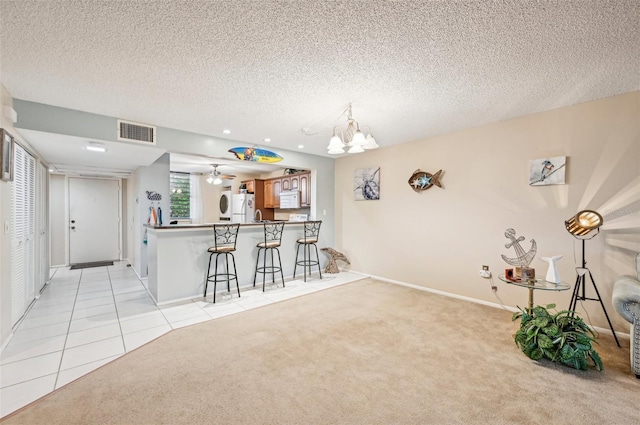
209 225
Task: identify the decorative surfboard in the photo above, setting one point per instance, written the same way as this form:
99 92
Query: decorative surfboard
421 180
255 154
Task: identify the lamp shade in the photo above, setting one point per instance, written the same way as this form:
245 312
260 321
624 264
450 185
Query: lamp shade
371 143
335 143
358 140
584 223
210 179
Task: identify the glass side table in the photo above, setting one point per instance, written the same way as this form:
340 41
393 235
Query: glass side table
533 284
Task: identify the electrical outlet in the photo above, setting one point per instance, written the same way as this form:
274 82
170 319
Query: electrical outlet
485 272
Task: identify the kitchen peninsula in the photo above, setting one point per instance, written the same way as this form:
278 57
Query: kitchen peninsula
178 257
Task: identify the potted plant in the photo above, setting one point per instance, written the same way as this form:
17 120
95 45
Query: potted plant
561 337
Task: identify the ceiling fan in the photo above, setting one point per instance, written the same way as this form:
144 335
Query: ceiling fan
215 176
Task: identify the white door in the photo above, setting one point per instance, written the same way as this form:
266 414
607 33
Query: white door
42 220
94 218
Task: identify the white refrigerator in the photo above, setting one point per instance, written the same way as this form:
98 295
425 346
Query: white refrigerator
242 208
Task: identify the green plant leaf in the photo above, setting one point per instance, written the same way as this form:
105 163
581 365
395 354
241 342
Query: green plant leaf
552 330
536 354
540 312
566 353
544 341
541 322
597 361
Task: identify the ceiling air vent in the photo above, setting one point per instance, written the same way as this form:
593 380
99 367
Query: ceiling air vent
135 132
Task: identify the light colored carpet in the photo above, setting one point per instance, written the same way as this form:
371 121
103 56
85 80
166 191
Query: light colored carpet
363 353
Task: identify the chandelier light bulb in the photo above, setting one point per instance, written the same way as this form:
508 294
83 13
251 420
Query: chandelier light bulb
210 179
371 142
217 181
355 149
358 139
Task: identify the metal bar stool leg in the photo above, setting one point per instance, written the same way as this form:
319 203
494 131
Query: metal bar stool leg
206 276
255 273
296 262
318 259
215 279
226 262
280 263
273 268
235 273
264 268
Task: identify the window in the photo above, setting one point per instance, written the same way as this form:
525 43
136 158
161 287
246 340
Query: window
180 195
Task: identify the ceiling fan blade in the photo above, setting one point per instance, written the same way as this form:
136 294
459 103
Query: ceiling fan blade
228 176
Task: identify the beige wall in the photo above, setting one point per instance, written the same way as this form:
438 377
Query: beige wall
440 238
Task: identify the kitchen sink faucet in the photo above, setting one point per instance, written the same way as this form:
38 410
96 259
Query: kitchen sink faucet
258 211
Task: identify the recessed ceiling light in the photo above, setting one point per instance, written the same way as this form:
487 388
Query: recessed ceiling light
226 131
267 140
300 146
95 147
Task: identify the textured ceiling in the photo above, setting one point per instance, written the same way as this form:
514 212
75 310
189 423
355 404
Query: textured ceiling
412 69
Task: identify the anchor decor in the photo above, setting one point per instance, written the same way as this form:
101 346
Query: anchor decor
523 258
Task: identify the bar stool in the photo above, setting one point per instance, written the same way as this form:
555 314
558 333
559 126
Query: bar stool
311 232
224 243
272 238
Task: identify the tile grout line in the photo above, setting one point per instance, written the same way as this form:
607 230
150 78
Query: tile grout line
115 304
66 337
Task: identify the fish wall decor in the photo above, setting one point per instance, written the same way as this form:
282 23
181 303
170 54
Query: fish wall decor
421 180
255 154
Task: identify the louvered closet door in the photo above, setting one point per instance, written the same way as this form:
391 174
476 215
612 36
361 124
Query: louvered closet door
42 270
23 234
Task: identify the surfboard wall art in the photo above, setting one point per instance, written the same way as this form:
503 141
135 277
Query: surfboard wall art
255 154
421 180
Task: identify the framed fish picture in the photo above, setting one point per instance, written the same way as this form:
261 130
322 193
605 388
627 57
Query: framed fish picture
546 171
366 184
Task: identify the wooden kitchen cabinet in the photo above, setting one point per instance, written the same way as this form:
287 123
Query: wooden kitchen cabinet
286 183
273 187
277 188
305 190
250 185
260 199
268 194
295 182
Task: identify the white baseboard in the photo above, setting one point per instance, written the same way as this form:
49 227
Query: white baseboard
474 300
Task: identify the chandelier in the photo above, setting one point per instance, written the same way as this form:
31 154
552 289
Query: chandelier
351 137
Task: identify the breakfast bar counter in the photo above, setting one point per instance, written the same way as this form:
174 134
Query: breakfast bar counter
178 258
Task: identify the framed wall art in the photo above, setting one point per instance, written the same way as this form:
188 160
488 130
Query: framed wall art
366 184
6 155
546 171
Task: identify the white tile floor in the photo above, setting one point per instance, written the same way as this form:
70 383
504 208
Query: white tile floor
89 317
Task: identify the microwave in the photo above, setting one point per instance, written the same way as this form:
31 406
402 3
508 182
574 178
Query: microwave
290 199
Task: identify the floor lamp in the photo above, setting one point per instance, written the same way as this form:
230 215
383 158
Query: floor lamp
580 226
